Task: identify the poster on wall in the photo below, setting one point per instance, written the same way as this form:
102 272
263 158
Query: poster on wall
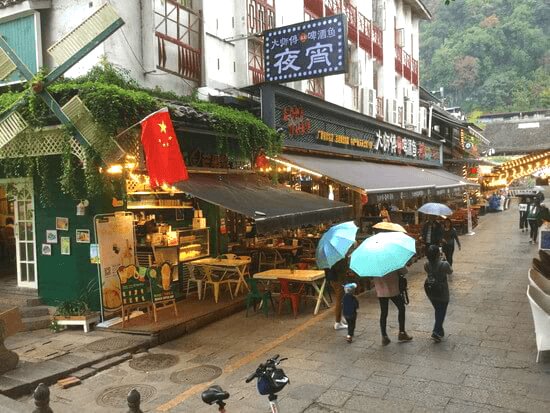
115 238
65 245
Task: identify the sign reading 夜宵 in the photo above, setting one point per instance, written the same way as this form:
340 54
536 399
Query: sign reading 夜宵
305 50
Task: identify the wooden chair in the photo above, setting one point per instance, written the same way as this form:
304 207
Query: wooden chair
135 291
212 279
194 276
293 297
246 273
270 259
163 288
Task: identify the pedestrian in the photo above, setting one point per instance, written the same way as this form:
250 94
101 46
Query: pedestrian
543 217
532 213
349 308
336 275
437 288
385 214
522 207
387 288
448 240
431 232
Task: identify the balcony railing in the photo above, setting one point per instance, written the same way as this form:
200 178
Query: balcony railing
261 16
407 66
380 107
189 58
256 75
314 6
377 41
365 33
351 13
399 60
333 7
414 72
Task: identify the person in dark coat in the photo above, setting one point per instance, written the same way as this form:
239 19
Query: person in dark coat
523 206
448 241
439 297
349 309
532 213
431 232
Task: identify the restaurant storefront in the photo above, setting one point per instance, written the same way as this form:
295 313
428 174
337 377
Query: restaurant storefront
344 155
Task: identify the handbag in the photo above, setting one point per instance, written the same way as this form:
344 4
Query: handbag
403 288
433 287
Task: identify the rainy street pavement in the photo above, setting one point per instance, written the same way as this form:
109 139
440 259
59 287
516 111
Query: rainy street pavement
485 364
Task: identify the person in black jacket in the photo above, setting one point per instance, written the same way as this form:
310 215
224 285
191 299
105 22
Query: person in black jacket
439 294
431 232
349 308
448 241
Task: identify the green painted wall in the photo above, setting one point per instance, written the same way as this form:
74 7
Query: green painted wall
62 277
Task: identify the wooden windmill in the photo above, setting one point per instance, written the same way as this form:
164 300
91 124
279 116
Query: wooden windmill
68 51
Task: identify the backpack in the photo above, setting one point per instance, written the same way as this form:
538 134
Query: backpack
403 288
433 287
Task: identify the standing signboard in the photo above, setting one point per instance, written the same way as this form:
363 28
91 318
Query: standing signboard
115 237
306 50
544 237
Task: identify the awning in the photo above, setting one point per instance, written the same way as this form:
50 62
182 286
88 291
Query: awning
385 181
272 207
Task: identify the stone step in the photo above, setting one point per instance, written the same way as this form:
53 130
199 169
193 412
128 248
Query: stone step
36 323
34 301
8 405
34 311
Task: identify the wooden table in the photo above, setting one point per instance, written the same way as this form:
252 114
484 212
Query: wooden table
228 267
312 277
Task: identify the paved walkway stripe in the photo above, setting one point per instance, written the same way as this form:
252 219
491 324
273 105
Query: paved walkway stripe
243 361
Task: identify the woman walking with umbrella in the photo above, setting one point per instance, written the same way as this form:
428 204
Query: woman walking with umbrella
448 240
437 288
384 256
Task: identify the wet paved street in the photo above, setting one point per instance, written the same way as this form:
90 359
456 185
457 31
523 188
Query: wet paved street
486 363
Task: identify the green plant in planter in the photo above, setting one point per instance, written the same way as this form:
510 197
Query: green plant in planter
54 326
77 306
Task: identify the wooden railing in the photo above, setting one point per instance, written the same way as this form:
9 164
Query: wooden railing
189 58
399 60
377 42
407 66
365 33
257 75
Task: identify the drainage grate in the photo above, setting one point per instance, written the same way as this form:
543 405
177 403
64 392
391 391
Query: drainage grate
152 362
196 375
118 396
113 343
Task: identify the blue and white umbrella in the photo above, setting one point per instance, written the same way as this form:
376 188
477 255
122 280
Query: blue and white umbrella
433 208
335 243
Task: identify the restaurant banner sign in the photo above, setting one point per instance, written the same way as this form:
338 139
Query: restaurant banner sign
306 50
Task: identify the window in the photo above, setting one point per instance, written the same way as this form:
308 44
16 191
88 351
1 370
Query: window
178 30
261 15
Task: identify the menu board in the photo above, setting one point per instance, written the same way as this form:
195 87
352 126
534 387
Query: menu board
115 236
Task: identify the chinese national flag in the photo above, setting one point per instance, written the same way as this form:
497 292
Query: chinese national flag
164 161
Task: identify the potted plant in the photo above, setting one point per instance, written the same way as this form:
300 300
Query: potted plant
75 311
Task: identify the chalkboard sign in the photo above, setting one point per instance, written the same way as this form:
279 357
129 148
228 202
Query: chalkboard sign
544 238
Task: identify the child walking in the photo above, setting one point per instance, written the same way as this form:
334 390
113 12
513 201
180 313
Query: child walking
349 309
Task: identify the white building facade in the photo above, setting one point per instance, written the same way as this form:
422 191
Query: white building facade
217 46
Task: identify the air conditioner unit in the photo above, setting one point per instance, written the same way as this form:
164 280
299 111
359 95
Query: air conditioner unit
353 75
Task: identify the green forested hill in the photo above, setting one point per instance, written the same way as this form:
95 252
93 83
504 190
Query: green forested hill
492 55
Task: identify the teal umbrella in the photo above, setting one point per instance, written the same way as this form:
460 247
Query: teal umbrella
433 208
382 253
335 243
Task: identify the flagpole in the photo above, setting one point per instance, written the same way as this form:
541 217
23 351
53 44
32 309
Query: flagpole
165 109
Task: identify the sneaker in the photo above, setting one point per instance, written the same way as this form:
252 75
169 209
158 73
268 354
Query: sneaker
349 339
385 340
403 336
340 325
436 338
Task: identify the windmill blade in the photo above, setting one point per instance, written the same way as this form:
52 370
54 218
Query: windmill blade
6 65
83 120
10 54
83 39
10 127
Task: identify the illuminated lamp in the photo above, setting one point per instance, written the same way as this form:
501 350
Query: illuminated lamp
114 169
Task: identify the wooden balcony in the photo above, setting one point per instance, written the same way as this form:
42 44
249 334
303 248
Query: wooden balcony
365 33
407 72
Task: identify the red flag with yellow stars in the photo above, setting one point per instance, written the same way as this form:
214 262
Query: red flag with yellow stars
164 161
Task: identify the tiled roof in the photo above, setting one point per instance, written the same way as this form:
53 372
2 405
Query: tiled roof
6 3
519 135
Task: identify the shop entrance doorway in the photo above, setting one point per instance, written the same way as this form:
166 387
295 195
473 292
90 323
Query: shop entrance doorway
18 238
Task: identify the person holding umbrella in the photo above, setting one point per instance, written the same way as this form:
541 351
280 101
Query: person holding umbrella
383 257
332 254
448 240
432 233
437 288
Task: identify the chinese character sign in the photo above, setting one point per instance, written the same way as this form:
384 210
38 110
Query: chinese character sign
310 49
